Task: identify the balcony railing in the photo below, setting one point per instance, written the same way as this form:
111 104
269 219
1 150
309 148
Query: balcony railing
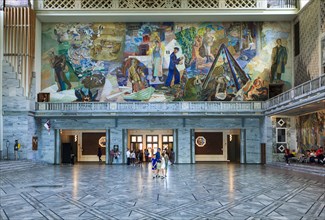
310 88
161 4
311 91
149 108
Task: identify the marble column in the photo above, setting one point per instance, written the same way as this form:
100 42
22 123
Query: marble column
175 144
266 137
107 147
57 151
242 146
184 145
116 138
2 141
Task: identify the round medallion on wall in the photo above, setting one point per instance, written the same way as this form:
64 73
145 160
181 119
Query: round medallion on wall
102 141
200 141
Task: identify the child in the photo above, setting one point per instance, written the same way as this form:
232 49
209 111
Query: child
154 165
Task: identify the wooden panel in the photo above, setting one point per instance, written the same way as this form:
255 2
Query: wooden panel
19 42
211 143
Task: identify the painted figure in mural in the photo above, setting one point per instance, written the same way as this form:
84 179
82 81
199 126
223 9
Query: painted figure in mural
157 55
208 40
256 90
58 63
172 70
135 76
279 60
196 52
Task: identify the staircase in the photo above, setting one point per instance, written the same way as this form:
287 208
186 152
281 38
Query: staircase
16 109
300 167
12 92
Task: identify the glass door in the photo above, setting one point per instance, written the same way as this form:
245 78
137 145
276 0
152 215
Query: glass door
167 142
152 144
136 142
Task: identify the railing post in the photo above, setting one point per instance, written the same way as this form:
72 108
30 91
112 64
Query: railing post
77 4
222 4
184 4
261 4
39 5
115 4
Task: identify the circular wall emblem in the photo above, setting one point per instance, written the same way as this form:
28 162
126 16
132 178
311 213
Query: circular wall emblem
102 141
200 141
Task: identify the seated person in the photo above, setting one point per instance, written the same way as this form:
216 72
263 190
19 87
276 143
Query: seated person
320 155
312 156
287 155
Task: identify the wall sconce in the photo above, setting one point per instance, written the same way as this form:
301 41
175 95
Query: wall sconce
230 137
75 138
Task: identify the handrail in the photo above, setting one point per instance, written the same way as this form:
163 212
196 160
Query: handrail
310 88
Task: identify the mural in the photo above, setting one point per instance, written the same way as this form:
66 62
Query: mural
118 62
311 131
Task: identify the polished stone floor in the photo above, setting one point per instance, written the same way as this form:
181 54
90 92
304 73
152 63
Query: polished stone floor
201 191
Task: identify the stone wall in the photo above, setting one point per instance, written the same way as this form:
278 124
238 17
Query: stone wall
306 64
19 124
183 128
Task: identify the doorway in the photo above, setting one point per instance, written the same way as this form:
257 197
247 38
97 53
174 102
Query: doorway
209 145
150 140
82 145
233 143
69 151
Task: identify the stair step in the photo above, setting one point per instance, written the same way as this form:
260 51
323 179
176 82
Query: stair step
13 92
15 103
7 68
9 75
305 168
8 83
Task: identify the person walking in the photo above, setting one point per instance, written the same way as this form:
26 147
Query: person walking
16 148
128 157
133 158
99 153
166 158
172 157
111 156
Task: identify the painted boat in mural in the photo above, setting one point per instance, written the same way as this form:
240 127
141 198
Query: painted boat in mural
142 95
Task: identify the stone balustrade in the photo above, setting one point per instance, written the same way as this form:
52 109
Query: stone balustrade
149 108
313 90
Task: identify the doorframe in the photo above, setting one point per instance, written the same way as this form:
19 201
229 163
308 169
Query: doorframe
224 156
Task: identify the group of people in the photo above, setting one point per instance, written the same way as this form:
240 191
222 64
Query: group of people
311 156
137 157
134 157
160 164
113 155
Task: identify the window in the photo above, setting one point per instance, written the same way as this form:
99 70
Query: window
281 135
136 142
167 142
152 144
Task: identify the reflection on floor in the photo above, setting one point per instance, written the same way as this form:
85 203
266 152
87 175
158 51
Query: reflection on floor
202 191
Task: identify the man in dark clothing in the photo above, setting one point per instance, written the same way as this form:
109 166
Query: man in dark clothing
99 153
172 70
